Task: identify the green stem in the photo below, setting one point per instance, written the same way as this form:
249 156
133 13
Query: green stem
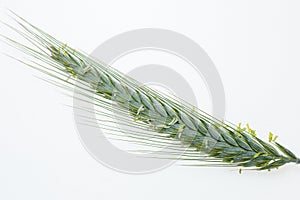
293 160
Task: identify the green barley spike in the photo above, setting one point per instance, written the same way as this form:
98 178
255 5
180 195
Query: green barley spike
210 141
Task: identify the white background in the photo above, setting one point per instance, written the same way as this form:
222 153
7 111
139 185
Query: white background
255 46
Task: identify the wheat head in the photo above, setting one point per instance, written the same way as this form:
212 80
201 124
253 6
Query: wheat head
209 140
